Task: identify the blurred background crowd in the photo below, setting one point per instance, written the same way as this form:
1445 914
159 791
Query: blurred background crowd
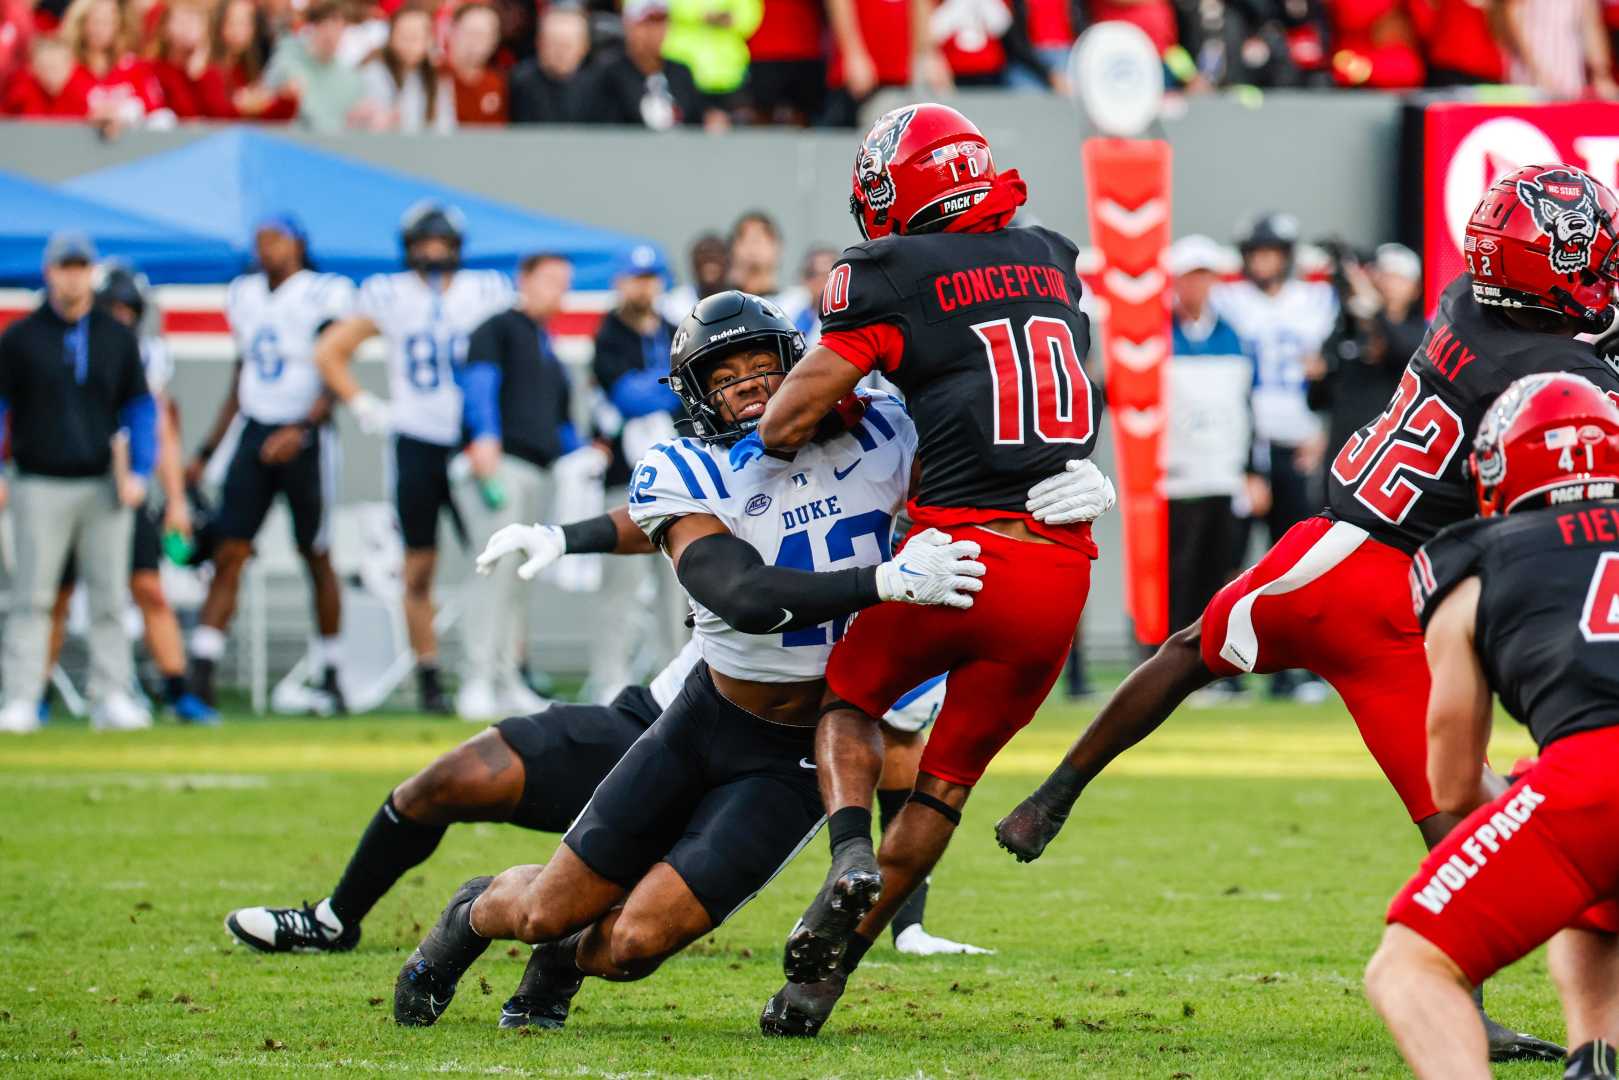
423 65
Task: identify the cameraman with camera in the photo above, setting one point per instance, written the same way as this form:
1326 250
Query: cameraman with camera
1380 324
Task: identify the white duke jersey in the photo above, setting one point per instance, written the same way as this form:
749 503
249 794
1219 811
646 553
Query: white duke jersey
1280 332
426 330
275 332
831 507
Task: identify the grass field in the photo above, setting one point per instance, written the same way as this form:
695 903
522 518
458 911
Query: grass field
1207 913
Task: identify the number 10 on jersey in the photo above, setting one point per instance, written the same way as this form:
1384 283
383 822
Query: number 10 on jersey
1062 393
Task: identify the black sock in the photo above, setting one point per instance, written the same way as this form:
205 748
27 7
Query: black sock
890 801
174 688
454 942
202 678
391 844
854 952
848 825
427 678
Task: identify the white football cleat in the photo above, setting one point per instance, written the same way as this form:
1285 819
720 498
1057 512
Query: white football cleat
477 703
119 713
516 699
19 718
915 941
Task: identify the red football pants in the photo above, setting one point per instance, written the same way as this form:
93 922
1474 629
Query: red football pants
1330 599
1003 654
1525 866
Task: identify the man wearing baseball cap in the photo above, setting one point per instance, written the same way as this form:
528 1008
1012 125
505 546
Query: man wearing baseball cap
636 84
1208 450
70 379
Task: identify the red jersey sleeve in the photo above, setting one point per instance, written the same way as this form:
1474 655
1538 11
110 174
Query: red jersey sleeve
875 347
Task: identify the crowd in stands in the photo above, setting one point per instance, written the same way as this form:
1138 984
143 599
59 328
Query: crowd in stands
434 65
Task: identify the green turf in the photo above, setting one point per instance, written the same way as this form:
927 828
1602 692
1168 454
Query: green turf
1206 914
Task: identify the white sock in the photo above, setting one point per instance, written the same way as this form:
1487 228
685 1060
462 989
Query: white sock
207 643
326 651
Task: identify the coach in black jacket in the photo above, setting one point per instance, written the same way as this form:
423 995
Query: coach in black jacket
542 89
635 84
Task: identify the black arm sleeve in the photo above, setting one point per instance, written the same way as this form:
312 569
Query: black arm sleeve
592 536
728 576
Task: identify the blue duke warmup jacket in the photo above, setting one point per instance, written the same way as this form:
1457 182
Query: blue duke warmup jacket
68 388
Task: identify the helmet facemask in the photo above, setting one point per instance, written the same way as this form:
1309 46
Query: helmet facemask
712 407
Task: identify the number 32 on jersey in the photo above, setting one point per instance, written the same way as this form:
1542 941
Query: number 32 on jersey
1378 467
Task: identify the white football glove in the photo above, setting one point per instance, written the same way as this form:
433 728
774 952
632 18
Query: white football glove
1081 492
932 569
374 415
543 544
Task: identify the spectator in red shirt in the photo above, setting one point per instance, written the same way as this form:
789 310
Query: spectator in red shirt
787 70
51 86
123 90
16 31
875 43
1462 40
191 87
480 90
1375 45
240 48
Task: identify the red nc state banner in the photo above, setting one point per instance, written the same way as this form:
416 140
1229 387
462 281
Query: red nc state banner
1468 147
1127 182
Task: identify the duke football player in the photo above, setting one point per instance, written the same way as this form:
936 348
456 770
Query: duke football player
1543 259
1522 602
720 792
426 313
979 324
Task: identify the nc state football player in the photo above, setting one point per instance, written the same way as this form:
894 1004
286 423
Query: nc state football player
1542 258
979 324
1523 601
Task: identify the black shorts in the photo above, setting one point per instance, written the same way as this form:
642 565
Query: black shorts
722 796
421 489
308 481
145 547
567 750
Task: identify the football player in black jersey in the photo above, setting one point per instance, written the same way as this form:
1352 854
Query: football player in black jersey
1524 602
1542 253
979 324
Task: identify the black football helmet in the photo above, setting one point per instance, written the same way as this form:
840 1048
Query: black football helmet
717 327
1269 230
429 220
122 284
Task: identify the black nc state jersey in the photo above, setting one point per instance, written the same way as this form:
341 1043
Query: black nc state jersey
983 333
1400 476
1548 616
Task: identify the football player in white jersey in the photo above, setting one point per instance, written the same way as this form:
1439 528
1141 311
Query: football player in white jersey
287 446
125 295
720 793
425 314
1283 323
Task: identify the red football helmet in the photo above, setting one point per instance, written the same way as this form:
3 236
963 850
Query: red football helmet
1546 237
917 168
1547 439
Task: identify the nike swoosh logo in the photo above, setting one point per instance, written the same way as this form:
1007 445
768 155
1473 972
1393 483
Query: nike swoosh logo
436 1005
841 473
786 617
907 570
805 763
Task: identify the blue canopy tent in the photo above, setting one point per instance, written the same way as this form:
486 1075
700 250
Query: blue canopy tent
162 251
222 185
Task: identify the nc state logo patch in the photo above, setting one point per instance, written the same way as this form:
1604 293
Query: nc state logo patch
1565 209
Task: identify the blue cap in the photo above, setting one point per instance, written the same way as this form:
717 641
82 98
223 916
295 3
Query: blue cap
643 259
69 245
285 223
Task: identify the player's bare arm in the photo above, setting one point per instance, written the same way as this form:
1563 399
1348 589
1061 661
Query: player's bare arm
1458 705
334 355
815 384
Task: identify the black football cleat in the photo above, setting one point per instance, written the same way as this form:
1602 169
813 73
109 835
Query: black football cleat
817 943
1509 1045
1027 830
1593 1061
544 995
329 700
426 984
798 1010
279 930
